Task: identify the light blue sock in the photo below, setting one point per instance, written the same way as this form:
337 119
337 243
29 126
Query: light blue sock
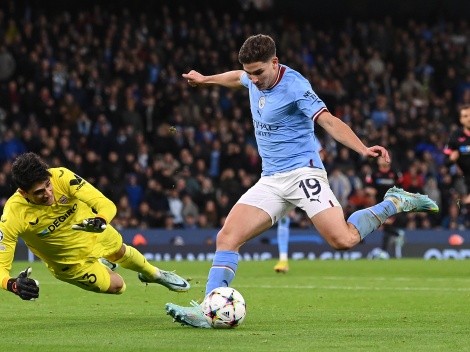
370 219
283 237
224 267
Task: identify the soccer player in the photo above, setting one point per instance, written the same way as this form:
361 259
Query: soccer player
458 152
282 266
64 221
285 110
383 178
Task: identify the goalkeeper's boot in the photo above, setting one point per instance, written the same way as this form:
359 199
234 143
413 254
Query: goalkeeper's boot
410 202
189 316
168 279
112 266
282 266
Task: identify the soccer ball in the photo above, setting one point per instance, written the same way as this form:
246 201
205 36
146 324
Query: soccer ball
224 308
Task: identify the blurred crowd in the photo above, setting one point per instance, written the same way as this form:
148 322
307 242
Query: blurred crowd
100 91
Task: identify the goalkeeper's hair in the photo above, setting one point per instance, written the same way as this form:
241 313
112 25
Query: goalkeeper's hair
27 169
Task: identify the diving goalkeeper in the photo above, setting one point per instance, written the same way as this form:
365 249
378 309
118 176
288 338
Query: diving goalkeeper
64 221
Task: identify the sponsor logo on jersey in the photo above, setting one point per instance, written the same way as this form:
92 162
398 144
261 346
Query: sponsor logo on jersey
58 221
264 129
265 126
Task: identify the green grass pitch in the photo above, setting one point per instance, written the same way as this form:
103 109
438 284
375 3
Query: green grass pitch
363 305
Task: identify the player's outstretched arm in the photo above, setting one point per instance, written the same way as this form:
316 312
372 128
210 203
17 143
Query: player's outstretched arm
346 136
24 286
229 79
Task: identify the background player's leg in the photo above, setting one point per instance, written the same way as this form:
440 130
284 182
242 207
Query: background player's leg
282 265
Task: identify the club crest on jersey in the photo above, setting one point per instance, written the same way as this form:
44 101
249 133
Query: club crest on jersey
261 102
63 200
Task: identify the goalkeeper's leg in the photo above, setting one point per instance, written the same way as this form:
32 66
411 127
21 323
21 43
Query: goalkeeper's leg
130 258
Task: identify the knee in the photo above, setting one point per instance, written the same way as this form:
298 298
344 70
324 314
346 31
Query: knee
117 284
118 255
343 243
227 241
117 289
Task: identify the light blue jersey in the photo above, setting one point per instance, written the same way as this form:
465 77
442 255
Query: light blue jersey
283 118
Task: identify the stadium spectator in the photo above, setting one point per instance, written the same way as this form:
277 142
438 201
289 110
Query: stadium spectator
145 217
384 177
458 152
176 208
340 185
134 192
453 220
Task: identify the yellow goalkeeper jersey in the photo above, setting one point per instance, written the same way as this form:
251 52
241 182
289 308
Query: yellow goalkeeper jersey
47 230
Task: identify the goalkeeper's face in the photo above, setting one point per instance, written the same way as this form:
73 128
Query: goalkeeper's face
41 193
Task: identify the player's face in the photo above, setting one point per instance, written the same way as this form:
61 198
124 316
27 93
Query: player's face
465 118
263 74
41 193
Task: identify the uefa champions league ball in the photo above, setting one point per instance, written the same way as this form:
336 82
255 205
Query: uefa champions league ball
224 308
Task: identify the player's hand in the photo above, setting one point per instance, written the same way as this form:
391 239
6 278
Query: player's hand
194 78
378 151
91 225
23 286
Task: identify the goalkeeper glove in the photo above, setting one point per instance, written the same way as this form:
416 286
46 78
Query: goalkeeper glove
23 286
91 225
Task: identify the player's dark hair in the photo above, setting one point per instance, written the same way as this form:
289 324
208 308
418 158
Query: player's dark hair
27 169
257 48
464 107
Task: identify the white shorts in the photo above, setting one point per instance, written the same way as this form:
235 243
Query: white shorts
306 188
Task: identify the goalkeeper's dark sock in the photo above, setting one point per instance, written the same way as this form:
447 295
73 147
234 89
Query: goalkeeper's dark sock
224 267
135 261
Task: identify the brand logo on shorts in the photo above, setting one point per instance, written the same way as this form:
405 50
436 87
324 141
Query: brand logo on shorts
261 102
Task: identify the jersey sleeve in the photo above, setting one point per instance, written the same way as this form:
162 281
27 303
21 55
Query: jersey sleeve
78 187
307 100
244 80
9 232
